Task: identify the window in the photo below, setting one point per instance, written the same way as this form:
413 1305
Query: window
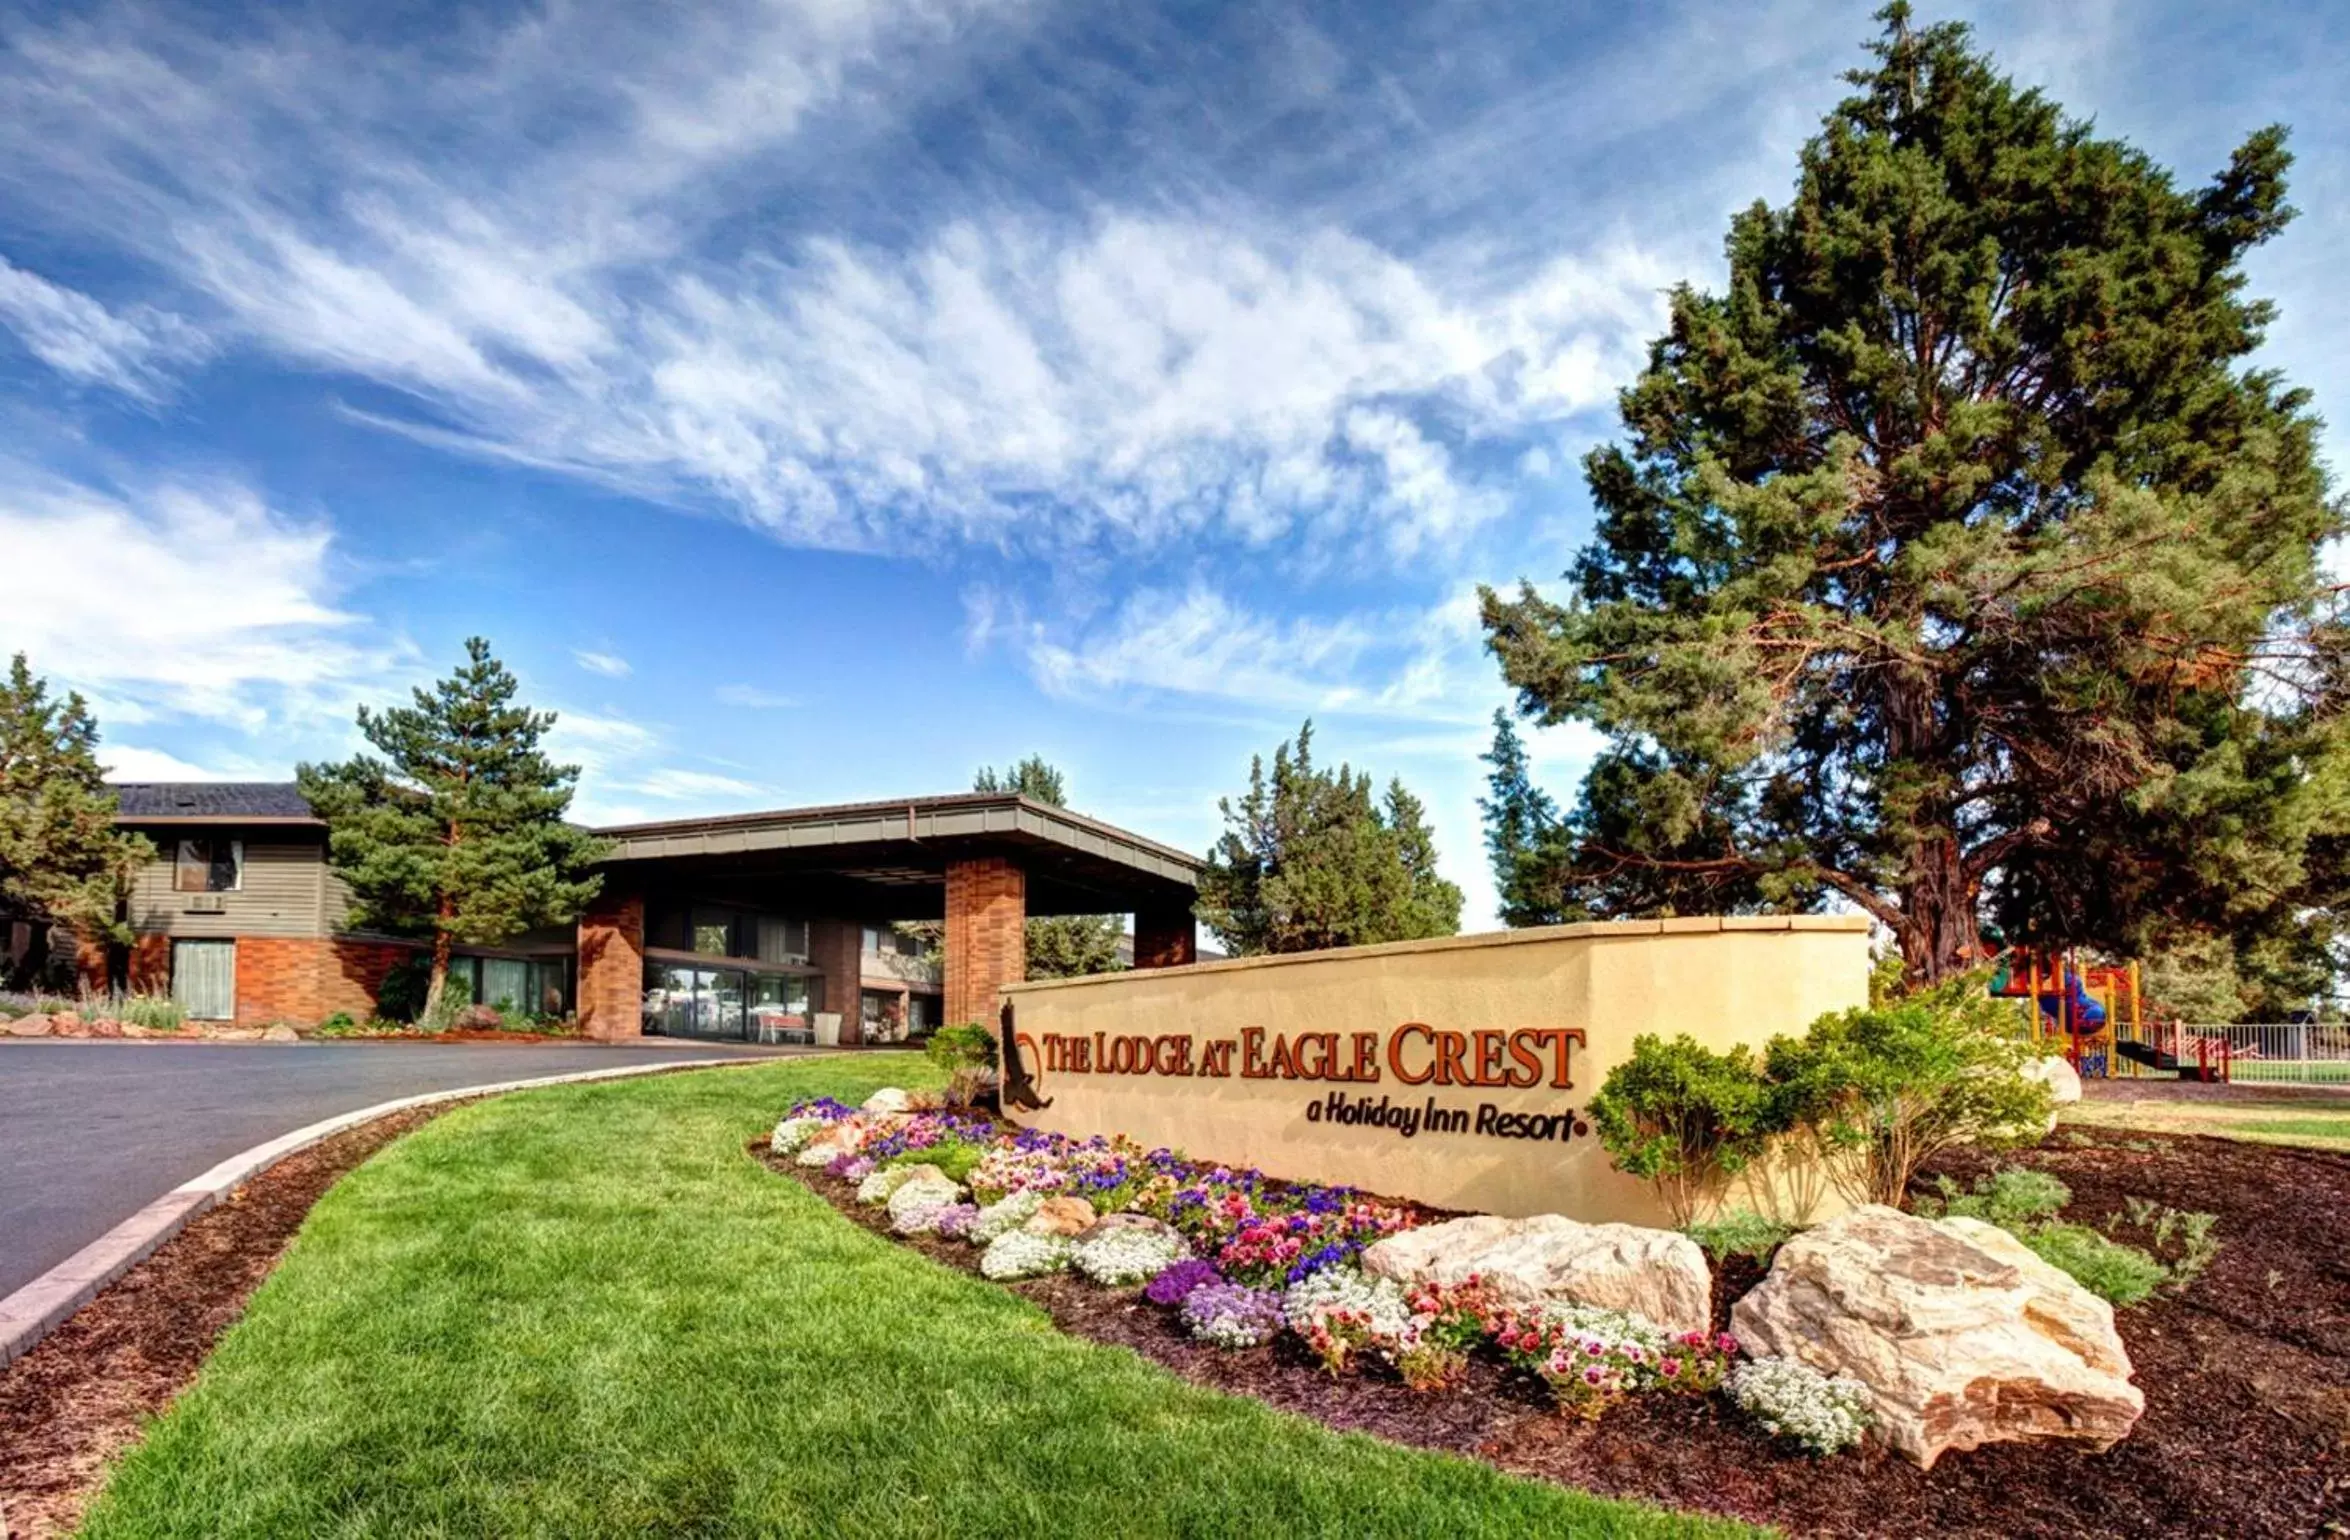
782 941
204 979
209 866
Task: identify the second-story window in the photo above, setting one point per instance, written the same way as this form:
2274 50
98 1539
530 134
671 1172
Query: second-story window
209 866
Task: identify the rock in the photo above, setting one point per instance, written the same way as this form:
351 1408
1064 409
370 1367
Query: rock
1061 1216
1963 1337
133 1029
2062 1080
1110 1223
888 1099
1547 1258
68 1024
279 1032
104 1026
35 1025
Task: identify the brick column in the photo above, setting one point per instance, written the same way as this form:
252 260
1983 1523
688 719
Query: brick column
1165 938
612 966
838 948
986 936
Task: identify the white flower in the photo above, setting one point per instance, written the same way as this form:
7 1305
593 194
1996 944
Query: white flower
1018 1254
792 1133
1378 1300
1002 1218
818 1155
1124 1256
1794 1401
882 1183
915 1197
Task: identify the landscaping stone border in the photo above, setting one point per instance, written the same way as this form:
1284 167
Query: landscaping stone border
44 1304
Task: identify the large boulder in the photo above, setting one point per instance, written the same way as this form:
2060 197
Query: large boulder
888 1099
1962 1335
1110 1224
35 1025
1549 1258
1063 1216
279 1032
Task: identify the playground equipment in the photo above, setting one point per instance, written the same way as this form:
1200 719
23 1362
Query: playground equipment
2098 1019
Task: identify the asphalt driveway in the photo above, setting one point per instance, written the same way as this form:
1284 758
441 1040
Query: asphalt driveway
90 1132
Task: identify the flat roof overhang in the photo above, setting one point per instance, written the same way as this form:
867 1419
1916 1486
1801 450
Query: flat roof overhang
888 860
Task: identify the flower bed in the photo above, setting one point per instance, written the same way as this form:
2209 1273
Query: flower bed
2238 1435
1239 1260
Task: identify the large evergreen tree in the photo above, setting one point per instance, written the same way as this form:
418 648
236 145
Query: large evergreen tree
1310 859
457 833
62 860
1955 562
1522 833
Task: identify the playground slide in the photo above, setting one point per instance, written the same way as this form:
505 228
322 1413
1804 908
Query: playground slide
2088 1011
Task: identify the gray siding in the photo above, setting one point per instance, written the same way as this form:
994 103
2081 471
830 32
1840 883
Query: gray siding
285 891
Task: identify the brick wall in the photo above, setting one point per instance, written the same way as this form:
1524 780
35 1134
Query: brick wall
986 935
304 980
838 947
1165 938
612 965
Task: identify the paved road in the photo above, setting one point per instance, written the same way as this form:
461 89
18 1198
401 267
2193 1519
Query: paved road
90 1132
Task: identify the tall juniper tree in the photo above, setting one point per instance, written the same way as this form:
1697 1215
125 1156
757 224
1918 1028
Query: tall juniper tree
457 833
1522 833
1955 562
62 860
1310 859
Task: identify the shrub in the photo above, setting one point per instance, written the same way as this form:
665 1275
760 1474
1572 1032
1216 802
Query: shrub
1881 1090
340 1024
1232 1315
2025 1203
1682 1118
1796 1402
1739 1233
1175 1282
969 1046
2188 1236
1125 1256
2118 1274
400 997
156 1013
1018 1254
2009 1198
955 1157
1427 1365
1002 1218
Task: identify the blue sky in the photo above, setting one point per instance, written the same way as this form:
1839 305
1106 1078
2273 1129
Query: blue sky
816 399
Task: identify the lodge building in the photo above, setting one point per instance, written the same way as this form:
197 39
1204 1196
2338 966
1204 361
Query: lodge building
777 926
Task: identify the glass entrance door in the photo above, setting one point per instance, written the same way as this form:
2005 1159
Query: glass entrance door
694 1002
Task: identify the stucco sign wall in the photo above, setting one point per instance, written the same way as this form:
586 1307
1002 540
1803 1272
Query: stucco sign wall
1456 1071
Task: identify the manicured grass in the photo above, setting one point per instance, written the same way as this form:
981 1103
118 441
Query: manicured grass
2318 1121
586 1312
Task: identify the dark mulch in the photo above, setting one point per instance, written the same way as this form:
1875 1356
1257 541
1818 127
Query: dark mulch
82 1394
2246 1374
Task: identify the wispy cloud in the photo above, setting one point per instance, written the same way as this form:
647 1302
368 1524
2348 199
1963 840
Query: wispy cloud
133 351
609 664
184 600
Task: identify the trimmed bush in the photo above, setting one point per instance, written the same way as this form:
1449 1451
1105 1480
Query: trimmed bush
1683 1119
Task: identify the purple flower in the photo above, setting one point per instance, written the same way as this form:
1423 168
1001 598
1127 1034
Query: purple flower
954 1221
1176 1281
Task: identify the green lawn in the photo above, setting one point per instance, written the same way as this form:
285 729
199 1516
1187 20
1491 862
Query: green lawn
2310 1120
585 1312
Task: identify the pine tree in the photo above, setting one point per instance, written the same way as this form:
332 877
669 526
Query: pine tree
1032 778
62 860
1955 564
457 833
1059 946
1309 859
1522 832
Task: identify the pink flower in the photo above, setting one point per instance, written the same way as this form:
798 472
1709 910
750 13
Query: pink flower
1669 1368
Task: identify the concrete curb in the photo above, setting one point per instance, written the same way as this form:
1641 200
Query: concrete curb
44 1304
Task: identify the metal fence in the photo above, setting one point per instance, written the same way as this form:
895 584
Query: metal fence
2281 1052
